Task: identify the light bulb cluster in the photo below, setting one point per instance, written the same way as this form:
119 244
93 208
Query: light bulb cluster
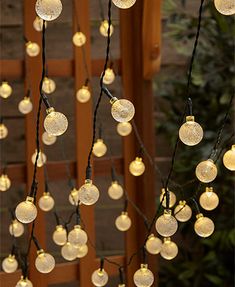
5 182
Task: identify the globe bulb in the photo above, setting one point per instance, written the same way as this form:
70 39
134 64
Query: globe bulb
209 200
172 198
229 159
182 211
60 235
206 171
124 129
104 26
48 85
38 24
88 193
25 106
79 39
3 131
41 158
69 252
137 167
166 225
5 90
55 123
32 49
153 244
203 226
169 249
124 4
48 10
83 95
99 148
46 202
48 139
123 221
190 133
109 76
44 262
225 7
16 228
143 277
77 237
99 278
82 251
9 264
74 197
24 282
26 211
115 190
122 110
5 182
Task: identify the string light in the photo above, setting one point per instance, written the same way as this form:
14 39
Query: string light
82 251
55 123
229 159
9 264
26 211
166 225
48 139
153 244
24 282
137 167
122 110
123 221
124 4
99 277
190 133
99 148
5 90
109 76
48 10
77 237
225 7
88 193
209 200
183 212
16 228
32 49
38 24
203 226
46 202
79 39
41 158
3 131
115 190
143 277
206 171
172 197
25 106
44 262
169 249
5 182
74 197
124 129
83 95
104 26
48 85
69 252
59 235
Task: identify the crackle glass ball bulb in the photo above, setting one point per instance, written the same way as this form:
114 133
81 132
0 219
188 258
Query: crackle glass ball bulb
26 211
190 133
9 264
123 221
16 228
104 26
153 244
124 129
5 182
166 225
24 282
137 167
59 235
83 95
74 197
109 76
48 10
48 85
82 251
209 200
99 278
143 277
203 226
229 159
122 110
77 236
79 39
55 123
38 24
5 90
206 171
44 262
32 49
25 106
172 198
183 212
124 4
3 131
225 7
48 139
41 158
115 190
46 202
99 148
69 252
88 193
169 249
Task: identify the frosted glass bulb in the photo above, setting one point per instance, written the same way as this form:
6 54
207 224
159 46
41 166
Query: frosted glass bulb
203 226
182 211
115 190
32 49
172 198
166 225
74 197
48 139
77 236
5 182
229 159
99 278
83 95
46 202
38 24
190 133
9 264
69 252
3 131
5 90
123 221
55 123
206 171
44 262
137 167
16 228
153 244
26 211
124 129
169 249
79 39
88 193
48 10
122 110
48 85
82 251
209 200
24 282
109 76
41 158
99 148
143 277
225 7
25 106
104 26
60 235
124 4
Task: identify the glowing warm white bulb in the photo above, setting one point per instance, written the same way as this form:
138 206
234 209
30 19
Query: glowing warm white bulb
182 211
229 159
32 49
83 95
190 133
225 7
206 171
38 24
122 110
172 198
143 277
5 182
74 197
169 249
3 131
41 158
99 278
137 167
77 237
55 123
60 235
209 200
46 202
88 193
99 148
115 190
26 211
5 90
9 264
109 76
124 129
123 221
203 226
124 4
48 85
166 225
48 139
25 106
16 228
153 244
82 251
79 39
104 26
44 262
24 282
69 252
48 10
